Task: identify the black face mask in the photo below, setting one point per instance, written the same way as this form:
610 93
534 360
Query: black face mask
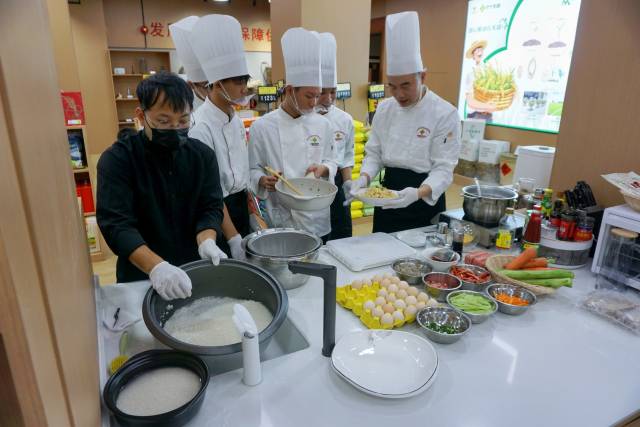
169 138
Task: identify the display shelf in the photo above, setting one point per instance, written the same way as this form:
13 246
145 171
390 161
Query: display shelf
126 99
75 127
81 170
128 75
86 214
126 123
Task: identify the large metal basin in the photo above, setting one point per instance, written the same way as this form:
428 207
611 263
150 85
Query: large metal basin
487 209
274 248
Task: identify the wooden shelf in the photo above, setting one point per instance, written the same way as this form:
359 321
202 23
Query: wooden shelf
127 75
126 123
126 99
79 171
72 127
86 214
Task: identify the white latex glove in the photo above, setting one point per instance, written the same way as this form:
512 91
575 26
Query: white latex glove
361 182
346 188
209 250
169 281
235 244
406 197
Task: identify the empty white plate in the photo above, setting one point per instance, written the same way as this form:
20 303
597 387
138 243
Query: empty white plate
386 363
415 239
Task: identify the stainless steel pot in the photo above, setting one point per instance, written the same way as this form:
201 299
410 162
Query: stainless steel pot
274 248
488 208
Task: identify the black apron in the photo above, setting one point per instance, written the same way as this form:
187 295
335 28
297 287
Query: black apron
238 208
340 214
417 214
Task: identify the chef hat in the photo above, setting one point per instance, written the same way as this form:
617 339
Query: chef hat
217 42
328 50
403 44
180 34
301 51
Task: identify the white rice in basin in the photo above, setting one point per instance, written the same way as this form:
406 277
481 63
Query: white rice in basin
158 391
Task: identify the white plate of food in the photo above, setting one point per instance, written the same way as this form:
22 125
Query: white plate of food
386 363
376 196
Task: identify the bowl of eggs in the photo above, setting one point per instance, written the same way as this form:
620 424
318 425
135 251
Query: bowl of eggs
384 301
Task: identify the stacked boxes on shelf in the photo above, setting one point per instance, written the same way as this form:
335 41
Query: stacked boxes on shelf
360 139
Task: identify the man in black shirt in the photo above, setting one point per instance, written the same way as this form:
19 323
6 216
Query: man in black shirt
159 196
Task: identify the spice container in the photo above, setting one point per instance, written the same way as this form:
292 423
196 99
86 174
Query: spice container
567 226
584 229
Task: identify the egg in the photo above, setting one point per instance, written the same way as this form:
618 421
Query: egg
410 310
386 276
403 284
391 297
393 288
423 297
382 293
400 304
377 312
411 300
387 319
369 305
385 283
397 315
412 291
356 284
367 282
402 294
380 301
395 280
420 305
388 308
432 303
376 278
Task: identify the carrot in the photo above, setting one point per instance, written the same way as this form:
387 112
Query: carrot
536 262
519 261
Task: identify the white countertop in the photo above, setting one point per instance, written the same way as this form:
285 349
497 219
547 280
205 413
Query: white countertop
554 365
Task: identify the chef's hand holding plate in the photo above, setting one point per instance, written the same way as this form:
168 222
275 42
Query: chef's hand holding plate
405 197
356 185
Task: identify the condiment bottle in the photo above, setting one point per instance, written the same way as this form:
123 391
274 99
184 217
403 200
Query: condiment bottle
556 213
531 238
546 203
538 196
506 230
584 229
457 243
567 226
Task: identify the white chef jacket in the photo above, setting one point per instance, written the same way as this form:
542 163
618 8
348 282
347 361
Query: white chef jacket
343 134
423 138
228 139
291 146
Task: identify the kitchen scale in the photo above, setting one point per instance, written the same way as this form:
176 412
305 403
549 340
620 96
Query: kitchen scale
486 235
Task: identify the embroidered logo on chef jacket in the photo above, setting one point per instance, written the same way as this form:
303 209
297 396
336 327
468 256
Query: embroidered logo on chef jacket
423 132
338 136
314 140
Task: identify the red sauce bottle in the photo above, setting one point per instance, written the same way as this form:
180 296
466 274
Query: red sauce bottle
531 238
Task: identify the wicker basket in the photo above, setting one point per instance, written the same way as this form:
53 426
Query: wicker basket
631 200
501 99
497 263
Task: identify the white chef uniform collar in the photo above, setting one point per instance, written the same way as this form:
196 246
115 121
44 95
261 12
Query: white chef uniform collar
328 49
402 37
301 51
180 34
217 42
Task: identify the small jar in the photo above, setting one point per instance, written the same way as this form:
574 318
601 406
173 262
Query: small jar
567 227
584 229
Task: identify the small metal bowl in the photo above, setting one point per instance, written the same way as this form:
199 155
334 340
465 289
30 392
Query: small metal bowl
443 316
475 318
415 280
441 294
511 290
471 286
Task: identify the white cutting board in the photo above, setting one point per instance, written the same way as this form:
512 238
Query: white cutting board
364 252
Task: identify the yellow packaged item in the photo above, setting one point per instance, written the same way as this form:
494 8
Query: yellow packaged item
357 214
358 159
357 205
358 125
360 137
359 148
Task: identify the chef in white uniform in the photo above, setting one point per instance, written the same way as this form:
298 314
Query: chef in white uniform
343 134
180 34
293 138
415 135
217 43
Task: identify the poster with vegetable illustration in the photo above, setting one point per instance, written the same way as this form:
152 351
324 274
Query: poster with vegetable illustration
516 61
